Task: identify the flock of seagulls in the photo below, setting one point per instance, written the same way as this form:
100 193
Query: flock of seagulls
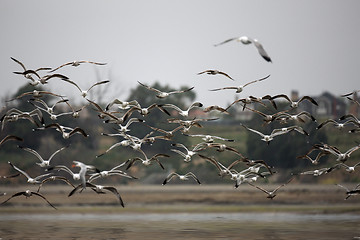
119 114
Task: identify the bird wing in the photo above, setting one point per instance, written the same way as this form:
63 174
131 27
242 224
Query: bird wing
19 170
262 51
117 194
193 176
33 152
98 83
226 41
10 137
150 88
20 63
257 80
169 177
223 88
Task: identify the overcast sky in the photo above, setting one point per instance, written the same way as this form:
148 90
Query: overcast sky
313 44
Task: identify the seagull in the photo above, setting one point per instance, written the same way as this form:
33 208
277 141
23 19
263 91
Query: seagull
9 138
276 132
349 169
66 132
161 94
295 104
147 161
111 172
214 72
187 124
122 104
36 94
341 157
76 176
146 110
352 192
24 68
356 121
14 115
337 124
184 113
247 40
216 108
209 138
167 134
267 118
220 147
43 163
271 194
313 161
125 128
99 190
284 117
316 172
239 89
84 93
76 64
30 179
112 117
28 193
189 153
45 107
245 101
181 177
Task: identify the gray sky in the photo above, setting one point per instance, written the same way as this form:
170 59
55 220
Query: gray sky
313 44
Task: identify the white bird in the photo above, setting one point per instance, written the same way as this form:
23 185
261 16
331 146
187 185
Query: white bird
338 125
76 64
246 40
189 153
147 161
340 156
240 88
81 175
184 113
99 190
29 179
14 115
209 138
36 94
111 172
43 162
162 94
181 177
351 192
293 103
349 169
27 194
66 132
214 72
276 132
271 194
122 104
84 93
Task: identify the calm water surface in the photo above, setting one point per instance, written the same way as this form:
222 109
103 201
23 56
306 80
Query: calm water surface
180 226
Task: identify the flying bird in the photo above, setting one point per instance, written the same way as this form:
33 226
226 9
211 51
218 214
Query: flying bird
181 177
247 40
240 88
214 72
27 194
76 64
162 94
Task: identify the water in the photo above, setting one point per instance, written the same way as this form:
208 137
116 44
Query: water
180 226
